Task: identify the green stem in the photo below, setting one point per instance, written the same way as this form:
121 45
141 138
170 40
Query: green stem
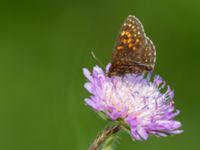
105 139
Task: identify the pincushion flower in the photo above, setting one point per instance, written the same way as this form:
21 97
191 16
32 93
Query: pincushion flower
135 101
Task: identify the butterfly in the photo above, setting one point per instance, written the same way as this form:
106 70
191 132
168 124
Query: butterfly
133 52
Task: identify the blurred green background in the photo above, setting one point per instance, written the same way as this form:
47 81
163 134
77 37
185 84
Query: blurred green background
45 44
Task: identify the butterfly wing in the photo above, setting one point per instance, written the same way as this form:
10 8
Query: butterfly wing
134 52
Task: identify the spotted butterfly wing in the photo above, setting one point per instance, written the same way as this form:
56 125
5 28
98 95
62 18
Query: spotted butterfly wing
134 52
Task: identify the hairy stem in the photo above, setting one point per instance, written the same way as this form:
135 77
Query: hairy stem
104 136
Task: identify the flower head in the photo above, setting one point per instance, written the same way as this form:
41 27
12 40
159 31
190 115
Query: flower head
134 100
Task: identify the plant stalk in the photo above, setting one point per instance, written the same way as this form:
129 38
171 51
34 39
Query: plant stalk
104 137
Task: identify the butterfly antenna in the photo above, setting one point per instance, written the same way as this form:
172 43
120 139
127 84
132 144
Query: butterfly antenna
98 61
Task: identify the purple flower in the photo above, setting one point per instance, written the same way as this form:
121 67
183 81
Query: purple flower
135 101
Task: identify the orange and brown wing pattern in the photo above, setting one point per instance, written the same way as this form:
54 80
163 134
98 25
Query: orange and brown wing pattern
134 52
